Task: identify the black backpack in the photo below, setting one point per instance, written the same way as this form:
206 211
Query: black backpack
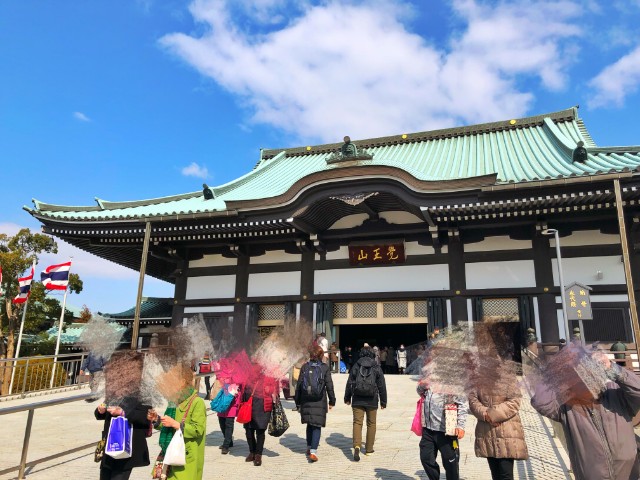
313 382
365 382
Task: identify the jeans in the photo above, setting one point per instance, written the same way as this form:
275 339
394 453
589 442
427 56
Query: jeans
358 420
313 437
433 442
255 439
501 468
226 427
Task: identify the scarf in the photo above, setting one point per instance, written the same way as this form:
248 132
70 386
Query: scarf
166 433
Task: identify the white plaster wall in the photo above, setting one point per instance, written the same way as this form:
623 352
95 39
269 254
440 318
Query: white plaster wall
350 221
382 279
276 256
400 217
215 286
587 237
414 248
340 254
497 243
512 274
216 260
584 269
273 284
213 309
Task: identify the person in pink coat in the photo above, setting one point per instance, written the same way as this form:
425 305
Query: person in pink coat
227 419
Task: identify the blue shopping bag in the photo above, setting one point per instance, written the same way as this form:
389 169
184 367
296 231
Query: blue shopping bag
119 438
343 367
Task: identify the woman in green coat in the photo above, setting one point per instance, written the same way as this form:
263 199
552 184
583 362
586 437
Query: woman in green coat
193 429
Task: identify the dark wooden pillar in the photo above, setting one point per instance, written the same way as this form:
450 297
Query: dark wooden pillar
179 293
544 280
307 285
457 278
242 290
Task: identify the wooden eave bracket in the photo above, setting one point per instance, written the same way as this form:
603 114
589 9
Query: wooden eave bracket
318 244
435 236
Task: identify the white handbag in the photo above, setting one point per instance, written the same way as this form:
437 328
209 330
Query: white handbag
175 454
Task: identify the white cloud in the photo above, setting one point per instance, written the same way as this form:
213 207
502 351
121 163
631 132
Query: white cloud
195 170
354 68
81 116
616 81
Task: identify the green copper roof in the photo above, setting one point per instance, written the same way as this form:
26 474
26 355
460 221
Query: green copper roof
517 150
149 308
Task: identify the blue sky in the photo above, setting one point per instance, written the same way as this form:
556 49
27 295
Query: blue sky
127 100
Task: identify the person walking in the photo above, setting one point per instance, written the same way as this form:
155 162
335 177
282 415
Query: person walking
391 360
186 412
401 358
365 389
499 433
264 392
334 353
322 341
435 437
227 419
383 360
313 388
205 367
601 441
93 365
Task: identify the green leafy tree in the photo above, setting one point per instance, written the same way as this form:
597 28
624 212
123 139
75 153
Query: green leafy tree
17 254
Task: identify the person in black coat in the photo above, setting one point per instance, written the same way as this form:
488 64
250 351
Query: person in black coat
362 405
313 412
264 392
136 413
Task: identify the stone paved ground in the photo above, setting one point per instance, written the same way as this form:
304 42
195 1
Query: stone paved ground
396 457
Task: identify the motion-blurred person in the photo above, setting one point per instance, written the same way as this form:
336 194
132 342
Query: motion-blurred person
93 365
365 388
313 388
599 431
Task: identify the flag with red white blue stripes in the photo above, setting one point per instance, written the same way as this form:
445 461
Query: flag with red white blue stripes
24 284
56 277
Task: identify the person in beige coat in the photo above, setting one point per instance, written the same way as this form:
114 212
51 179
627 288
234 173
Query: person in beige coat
499 432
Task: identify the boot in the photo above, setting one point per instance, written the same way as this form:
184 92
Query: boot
250 457
257 460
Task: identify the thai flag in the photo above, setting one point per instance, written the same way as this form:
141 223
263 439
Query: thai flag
56 277
25 288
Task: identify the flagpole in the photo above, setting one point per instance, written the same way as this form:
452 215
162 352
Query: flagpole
60 325
24 314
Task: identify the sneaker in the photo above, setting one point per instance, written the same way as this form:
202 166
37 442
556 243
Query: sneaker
225 450
356 454
313 457
369 453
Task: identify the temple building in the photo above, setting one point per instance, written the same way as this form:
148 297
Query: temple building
384 239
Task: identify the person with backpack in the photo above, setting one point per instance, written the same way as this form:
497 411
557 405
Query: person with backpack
313 388
365 388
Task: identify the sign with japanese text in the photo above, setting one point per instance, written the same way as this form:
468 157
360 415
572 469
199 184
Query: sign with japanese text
578 301
376 254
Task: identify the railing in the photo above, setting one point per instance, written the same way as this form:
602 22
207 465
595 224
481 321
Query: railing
20 376
31 408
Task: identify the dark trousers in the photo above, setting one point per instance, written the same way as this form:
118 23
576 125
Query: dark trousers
433 442
207 384
501 468
255 439
108 474
313 436
226 427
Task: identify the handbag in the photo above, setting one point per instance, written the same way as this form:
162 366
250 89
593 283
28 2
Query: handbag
244 411
205 368
416 425
222 402
278 423
118 443
99 453
158 467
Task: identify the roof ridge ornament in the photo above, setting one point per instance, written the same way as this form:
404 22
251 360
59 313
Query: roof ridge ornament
579 154
349 152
